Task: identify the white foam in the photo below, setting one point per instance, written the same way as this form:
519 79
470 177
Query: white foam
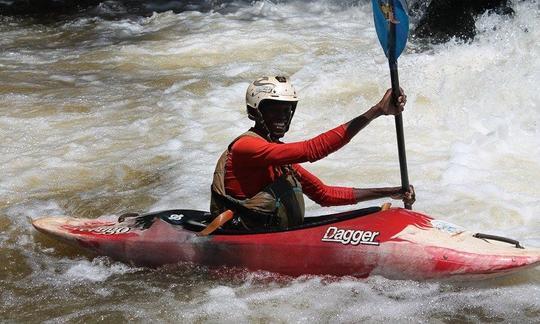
63 78
96 270
164 95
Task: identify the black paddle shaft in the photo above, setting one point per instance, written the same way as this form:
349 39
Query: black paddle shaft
392 61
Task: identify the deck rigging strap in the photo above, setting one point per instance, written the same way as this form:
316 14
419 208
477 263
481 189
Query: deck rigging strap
498 238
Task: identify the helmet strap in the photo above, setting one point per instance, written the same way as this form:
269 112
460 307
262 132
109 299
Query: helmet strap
259 121
292 115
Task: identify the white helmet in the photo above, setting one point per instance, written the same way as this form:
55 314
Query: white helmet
268 88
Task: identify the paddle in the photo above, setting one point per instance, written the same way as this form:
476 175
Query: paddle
392 25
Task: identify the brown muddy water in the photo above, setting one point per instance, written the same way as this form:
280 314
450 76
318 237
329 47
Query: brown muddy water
102 116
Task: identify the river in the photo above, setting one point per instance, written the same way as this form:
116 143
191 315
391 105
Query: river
102 116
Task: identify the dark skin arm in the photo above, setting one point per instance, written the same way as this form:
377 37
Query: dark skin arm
408 197
385 107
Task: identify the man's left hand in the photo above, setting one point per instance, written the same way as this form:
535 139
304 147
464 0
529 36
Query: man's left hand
408 197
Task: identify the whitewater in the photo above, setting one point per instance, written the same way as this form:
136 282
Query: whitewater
102 116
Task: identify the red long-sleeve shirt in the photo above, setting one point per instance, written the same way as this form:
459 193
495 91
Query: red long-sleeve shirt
251 164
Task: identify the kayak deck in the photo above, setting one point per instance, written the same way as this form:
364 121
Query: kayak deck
394 243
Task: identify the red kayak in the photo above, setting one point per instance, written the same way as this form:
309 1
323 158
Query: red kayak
395 243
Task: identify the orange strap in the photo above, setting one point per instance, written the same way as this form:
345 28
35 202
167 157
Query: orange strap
217 222
386 206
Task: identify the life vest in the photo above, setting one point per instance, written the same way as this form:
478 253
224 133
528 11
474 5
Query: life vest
278 205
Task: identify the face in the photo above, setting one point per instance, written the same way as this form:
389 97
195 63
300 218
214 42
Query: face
277 116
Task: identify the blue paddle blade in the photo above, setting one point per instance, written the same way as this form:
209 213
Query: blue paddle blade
385 11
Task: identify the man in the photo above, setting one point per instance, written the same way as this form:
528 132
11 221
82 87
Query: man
259 178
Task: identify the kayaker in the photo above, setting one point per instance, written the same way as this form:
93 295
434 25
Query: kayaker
259 178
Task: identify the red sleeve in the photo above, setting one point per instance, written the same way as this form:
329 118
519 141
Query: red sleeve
256 151
322 194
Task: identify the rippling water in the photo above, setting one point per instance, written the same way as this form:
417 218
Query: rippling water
104 116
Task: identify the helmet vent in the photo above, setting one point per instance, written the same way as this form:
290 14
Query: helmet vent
281 79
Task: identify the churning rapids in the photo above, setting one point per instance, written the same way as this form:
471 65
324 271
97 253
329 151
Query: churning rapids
103 116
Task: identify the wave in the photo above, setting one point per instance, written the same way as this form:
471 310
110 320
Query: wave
434 21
